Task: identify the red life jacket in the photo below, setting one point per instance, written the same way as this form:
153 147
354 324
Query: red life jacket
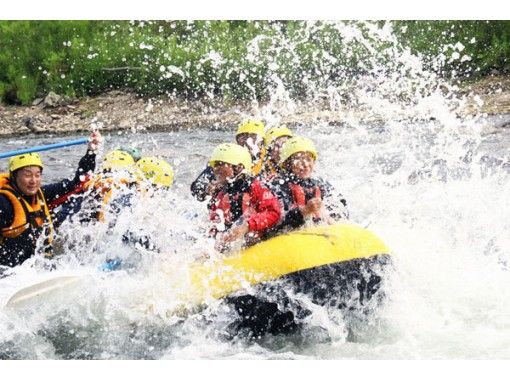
299 196
257 205
222 209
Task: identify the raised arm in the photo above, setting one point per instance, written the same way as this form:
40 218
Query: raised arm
86 166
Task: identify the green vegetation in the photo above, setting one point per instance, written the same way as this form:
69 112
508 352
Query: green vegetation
229 59
486 43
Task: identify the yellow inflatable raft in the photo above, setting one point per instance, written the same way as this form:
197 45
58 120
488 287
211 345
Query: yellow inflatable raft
279 257
341 266
338 265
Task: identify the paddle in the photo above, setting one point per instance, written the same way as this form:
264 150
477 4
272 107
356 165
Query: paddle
28 295
41 148
40 292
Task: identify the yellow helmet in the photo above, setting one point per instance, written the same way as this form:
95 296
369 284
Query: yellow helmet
117 159
23 160
251 126
232 154
275 132
295 145
156 170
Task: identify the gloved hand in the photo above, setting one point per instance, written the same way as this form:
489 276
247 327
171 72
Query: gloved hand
95 141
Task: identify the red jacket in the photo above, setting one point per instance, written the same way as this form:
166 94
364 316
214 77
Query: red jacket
246 198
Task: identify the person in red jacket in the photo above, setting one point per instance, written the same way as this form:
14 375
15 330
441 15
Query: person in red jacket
241 207
250 134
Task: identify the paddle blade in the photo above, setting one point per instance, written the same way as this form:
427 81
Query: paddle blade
41 290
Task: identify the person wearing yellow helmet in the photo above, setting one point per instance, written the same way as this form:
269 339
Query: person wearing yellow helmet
90 199
250 134
303 196
112 189
241 207
274 139
158 175
121 184
157 171
25 203
117 160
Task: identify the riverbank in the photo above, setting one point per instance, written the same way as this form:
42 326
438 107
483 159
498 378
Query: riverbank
119 110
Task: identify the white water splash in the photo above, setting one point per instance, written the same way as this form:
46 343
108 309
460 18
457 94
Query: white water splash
416 172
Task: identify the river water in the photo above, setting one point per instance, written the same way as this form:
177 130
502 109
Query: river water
433 185
439 199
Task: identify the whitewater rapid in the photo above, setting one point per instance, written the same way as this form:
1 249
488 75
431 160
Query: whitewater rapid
437 195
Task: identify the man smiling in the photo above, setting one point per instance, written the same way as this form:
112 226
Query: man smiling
24 212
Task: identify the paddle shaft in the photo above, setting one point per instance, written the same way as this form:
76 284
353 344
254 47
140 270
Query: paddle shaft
41 148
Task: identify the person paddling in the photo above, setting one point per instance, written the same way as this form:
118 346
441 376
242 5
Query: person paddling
156 171
71 203
250 134
274 139
304 197
25 217
111 190
241 208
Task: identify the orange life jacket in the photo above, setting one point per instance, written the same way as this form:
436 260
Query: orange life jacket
26 215
104 187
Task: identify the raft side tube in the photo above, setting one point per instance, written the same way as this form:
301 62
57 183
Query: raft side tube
283 255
